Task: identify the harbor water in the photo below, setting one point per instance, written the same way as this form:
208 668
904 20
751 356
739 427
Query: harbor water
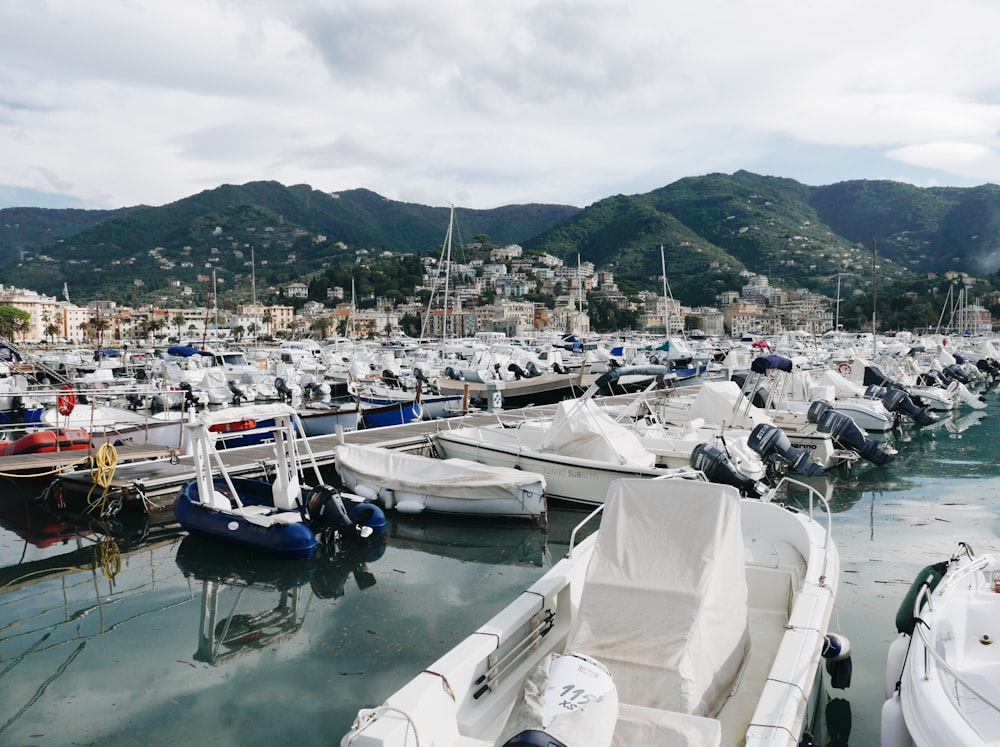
148 637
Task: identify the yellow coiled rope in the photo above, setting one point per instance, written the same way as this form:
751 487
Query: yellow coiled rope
102 472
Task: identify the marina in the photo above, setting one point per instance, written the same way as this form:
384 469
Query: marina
180 633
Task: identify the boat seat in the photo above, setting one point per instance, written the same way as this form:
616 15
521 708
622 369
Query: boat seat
273 515
664 603
649 726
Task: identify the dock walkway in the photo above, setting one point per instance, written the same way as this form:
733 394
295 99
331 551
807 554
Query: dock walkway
155 474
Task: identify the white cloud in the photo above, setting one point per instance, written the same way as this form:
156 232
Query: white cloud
118 102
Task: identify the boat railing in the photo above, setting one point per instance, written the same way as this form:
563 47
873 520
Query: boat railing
824 505
930 652
580 526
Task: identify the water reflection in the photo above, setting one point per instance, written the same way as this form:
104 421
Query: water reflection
250 601
483 540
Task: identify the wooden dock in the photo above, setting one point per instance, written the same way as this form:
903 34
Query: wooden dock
154 474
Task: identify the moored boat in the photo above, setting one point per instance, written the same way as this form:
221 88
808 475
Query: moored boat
691 616
942 672
283 518
410 483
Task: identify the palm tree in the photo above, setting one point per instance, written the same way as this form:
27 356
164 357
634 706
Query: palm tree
179 320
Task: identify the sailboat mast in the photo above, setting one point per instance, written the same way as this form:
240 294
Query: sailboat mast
447 274
666 305
874 303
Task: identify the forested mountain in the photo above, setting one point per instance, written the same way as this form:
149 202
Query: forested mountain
710 227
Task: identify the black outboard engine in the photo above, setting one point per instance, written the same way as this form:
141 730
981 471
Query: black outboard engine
518 372
134 401
931 378
873 375
775 448
284 392
328 518
419 375
188 393
389 377
238 394
717 467
897 402
955 372
531 370
847 433
451 373
556 368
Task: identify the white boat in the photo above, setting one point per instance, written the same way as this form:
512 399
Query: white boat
942 671
691 617
579 452
412 484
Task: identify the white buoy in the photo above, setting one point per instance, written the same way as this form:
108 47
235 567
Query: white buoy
893 730
894 662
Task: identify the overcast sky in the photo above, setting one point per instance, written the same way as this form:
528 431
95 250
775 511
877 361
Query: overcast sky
112 103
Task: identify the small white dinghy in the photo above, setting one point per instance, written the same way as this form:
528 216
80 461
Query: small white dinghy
412 484
943 670
691 617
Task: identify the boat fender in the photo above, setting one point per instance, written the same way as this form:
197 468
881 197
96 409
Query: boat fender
893 731
411 506
894 662
932 574
568 701
418 411
367 516
837 652
366 491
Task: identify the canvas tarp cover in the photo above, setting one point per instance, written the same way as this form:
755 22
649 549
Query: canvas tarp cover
719 402
664 604
582 430
447 478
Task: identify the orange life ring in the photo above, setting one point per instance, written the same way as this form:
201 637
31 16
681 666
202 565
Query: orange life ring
66 400
844 369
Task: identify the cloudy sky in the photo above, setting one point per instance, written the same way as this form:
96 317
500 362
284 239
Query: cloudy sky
110 103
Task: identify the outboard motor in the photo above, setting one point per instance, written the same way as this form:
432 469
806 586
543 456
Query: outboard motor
531 370
389 377
518 372
238 394
897 401
284 391
873 375
955 372
847 433
134 401
556 368
578 705
931 378
717 467
774 447
329 517
451 373
188 393
419 375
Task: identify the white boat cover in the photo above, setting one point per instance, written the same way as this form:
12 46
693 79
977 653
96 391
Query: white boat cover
582 430
447 478
719 402
842 386
664 604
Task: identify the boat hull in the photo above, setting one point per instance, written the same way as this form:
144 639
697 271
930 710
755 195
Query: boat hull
293 540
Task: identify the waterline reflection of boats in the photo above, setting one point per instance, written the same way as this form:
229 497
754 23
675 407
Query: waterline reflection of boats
472 540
